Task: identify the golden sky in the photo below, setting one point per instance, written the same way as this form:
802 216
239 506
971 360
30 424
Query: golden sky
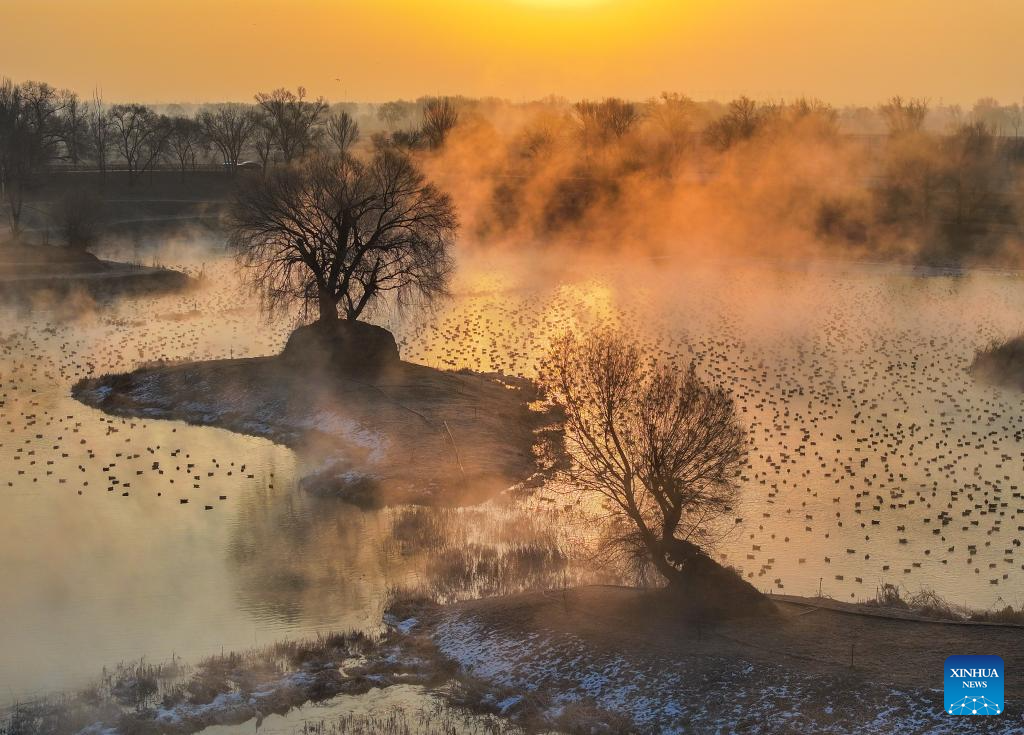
200 50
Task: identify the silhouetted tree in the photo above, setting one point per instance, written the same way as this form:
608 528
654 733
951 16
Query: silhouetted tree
742 121
661 449
263 140
74 129
292 119
991 114
140 137
904 116
229 128
439 118
80 216
184 142
811 112
911 176
30 132
392 113
1015 119
973 189
342 130
100 141
672 114
334 230
607 120
407 139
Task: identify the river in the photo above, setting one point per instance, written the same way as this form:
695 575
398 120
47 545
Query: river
875 457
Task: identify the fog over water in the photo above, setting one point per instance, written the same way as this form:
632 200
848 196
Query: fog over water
875 456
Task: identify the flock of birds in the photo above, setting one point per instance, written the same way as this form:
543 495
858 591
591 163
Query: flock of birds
874 456
49 443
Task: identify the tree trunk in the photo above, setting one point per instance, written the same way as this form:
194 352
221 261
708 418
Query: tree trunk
328 306
683 554
14 201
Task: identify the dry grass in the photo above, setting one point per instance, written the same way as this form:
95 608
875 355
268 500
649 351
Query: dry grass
441 720
927 603
128 696
1001 363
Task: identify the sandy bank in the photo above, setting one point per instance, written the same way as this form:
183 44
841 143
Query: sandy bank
413 434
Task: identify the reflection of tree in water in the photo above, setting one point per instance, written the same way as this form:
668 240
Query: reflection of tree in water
303 559
492 549
300 558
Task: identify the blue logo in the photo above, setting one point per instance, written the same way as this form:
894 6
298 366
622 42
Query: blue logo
974 685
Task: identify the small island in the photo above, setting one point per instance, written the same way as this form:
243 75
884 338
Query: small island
28 269
1001 363
339 236
401 433
34 264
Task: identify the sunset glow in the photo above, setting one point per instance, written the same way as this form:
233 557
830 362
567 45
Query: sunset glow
192 50
490 367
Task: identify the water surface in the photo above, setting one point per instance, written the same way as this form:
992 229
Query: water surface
875 458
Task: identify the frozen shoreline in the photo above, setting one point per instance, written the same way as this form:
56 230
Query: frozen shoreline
617 658
589 659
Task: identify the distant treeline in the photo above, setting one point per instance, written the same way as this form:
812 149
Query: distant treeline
902 177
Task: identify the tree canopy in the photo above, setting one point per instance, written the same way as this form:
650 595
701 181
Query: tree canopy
334 232
660 448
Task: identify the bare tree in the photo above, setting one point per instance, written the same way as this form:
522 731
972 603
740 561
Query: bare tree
184 142
292 119
80 216
12 165
973 196
671 119
661 449
1015 117
911 174
439 118
30 131
229 128
334 230
673 114
74 129
392 113
343 130
140 136
811 116
904 116
991 114
263 139
100 138
605 121
742 121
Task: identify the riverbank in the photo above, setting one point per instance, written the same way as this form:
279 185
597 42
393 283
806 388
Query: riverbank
621 659
412 434
591 659
30 272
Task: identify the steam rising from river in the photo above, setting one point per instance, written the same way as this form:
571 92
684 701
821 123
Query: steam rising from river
831 365
535 176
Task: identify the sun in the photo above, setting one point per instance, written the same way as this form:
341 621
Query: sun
557 4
